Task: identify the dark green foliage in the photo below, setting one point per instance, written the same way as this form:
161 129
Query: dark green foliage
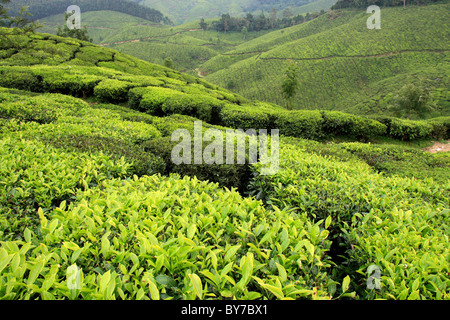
245 118
143 163
301 124
407 130
441 127
80 34
290 83
112 90
344 124
413 100
203 107
41 8
226 175
20 79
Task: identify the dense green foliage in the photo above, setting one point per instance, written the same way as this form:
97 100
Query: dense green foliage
44 8
183 12
89 192
343 65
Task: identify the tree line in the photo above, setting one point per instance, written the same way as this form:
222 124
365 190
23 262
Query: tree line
44 8
341 4
262 22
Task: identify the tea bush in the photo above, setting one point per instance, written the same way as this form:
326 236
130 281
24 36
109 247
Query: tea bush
353 195
410 247
33 175
200 106
167 238
112 90
344 124
154 98
300 124
245 118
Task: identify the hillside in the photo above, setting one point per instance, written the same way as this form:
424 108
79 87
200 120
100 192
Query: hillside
101 25
187 45
344 65
44 8
93 207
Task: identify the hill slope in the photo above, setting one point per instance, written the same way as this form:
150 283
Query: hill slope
45 8
344 65
187 11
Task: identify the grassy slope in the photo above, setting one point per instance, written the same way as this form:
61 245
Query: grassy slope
344 65
188 46
101 24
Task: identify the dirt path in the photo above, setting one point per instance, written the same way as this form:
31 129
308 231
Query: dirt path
199 73
439 147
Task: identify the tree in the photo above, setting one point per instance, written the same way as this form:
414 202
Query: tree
287 14
203 24
273 17
290 83
413 100
168 62
21 21
80 34
244 32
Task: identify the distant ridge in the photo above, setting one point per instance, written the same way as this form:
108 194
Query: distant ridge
44 8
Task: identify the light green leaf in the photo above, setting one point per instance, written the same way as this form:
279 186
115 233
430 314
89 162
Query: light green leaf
231 252
35 271
104 280
328 222
345 284
247 267
4 259
281 272
27 235
197 285
154 292
71 246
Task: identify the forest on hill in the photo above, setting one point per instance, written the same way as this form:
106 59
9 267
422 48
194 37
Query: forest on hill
45 8
93 205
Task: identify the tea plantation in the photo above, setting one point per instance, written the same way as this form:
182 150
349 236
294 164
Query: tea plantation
87 187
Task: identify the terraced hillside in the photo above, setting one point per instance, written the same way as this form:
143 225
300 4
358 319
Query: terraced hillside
92 207
187 45
343 65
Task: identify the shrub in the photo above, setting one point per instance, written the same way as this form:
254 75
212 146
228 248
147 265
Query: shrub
80 85
142 163
44 108
200 106
167 238
302 124
408 248
245 118
112 90
20 79
43 177
154 98
441 127
343 124
226 175
407 130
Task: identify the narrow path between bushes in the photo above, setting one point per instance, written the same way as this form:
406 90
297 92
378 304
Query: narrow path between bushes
439 147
